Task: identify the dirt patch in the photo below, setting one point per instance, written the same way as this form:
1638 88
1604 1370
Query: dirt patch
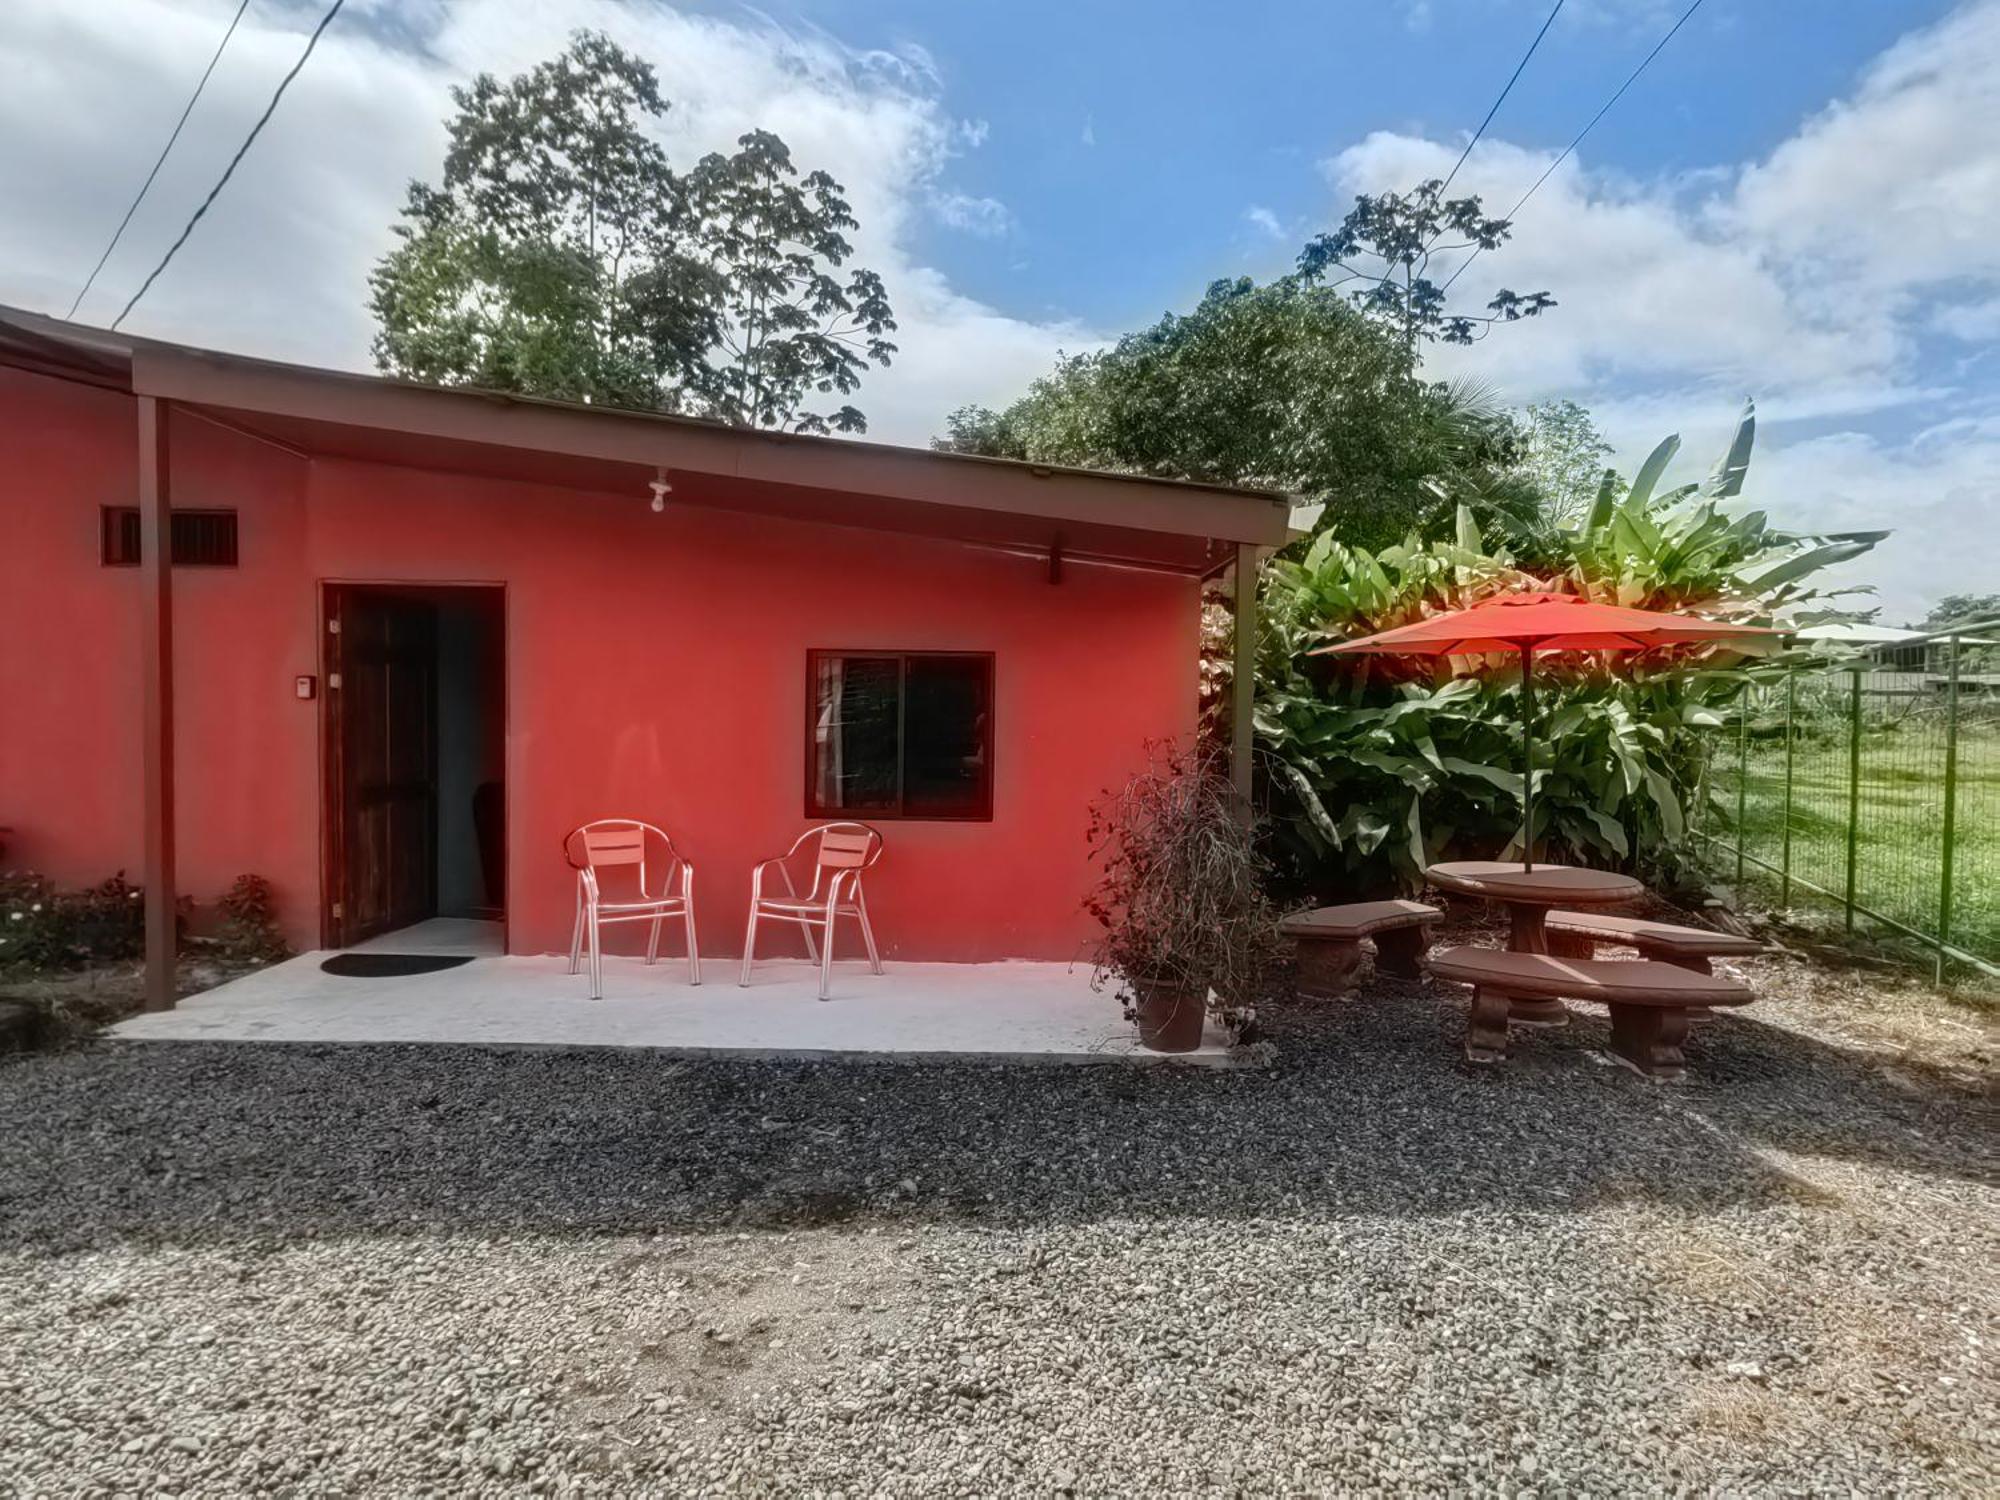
1789 1381
72 1003
723 1330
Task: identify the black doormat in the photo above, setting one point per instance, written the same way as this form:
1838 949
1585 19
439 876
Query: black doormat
390 965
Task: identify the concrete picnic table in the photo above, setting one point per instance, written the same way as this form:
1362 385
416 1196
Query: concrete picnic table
1529 894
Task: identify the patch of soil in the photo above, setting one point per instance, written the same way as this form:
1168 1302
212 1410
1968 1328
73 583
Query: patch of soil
722 1329
72 1003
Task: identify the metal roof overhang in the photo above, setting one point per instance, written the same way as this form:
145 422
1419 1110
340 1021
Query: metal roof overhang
1080 514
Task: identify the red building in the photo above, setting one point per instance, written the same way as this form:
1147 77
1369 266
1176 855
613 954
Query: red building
402 639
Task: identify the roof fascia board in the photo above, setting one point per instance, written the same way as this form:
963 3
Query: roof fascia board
877 469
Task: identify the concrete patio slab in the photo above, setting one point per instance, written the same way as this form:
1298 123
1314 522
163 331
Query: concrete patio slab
1000 1012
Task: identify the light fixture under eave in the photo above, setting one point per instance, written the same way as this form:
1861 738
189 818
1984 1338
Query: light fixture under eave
661 489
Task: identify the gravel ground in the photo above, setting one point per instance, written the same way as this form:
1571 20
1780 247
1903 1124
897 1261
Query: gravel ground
232 1270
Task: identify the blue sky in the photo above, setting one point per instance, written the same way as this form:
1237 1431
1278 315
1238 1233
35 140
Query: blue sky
1797 201
1189 117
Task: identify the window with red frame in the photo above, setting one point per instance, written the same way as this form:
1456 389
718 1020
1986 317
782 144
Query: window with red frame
899 734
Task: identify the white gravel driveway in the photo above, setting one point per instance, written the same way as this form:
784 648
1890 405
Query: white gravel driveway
247 1270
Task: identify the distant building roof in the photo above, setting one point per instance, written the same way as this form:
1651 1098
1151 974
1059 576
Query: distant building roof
1880 635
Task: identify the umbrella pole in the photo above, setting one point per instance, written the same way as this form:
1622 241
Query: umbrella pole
1527 755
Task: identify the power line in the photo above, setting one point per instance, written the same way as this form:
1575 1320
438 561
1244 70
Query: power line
242 150
1658 48
1518 67
146 186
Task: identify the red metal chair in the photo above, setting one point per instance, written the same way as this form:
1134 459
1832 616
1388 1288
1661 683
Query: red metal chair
843 852
611 843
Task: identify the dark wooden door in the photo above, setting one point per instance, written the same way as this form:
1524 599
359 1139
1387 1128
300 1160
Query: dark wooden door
382 800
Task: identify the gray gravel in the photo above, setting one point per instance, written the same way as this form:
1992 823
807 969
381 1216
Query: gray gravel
233 1270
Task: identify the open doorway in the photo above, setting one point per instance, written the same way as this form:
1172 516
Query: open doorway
415 757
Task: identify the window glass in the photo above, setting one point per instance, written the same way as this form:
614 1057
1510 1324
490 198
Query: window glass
906 736
856 704
944 736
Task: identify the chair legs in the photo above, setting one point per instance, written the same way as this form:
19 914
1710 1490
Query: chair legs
586 940
749 947
820 952
867 932
826 953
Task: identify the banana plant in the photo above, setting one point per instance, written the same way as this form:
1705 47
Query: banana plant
1374 767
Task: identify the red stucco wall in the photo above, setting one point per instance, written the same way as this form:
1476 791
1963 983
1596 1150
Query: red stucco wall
656 669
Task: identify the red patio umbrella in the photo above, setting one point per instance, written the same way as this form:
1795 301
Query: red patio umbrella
1531 622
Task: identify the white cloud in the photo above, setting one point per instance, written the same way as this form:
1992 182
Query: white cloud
280 266
988 218
1645 289
1940 498
1897 187
1264 221
1811 278
1089 136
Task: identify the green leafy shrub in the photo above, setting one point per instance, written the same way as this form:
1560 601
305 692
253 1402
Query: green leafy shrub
250 921
42 927
1376 767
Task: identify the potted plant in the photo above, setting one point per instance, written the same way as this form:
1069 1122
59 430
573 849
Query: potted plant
1180 896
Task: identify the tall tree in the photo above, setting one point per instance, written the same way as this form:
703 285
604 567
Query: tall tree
561 255
1981 610
1563 455
553 258
1283 385
790 327
1386 244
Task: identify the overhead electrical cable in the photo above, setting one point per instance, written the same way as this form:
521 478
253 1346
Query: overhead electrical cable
146 186
1518 67
222 181
1658 48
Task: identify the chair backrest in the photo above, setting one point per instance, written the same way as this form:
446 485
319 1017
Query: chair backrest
844 851
608 842
848 846
616 844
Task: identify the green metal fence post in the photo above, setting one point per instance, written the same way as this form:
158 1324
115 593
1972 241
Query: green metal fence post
1785 859
1950 829
1853 795
1742 788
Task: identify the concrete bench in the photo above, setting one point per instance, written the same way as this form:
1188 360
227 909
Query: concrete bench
1688 948
1329 942
1648 1000
1577 934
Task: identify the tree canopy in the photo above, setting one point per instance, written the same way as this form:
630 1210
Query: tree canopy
1386 244
1284 385
1563 455
562 255
1964 609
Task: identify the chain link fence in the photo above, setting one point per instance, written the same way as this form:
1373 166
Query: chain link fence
1872 792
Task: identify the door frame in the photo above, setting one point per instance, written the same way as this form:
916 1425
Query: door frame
332 832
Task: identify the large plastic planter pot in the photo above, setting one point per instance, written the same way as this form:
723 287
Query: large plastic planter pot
1170 1020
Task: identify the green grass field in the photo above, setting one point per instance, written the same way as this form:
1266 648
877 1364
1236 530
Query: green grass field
1899 851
